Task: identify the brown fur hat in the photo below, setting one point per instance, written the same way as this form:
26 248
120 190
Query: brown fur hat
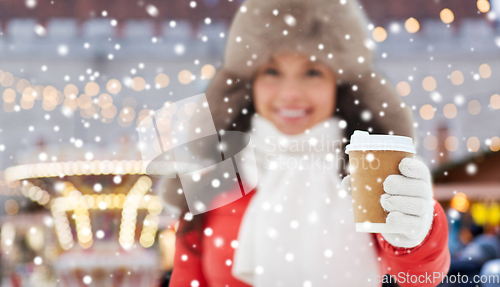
331 31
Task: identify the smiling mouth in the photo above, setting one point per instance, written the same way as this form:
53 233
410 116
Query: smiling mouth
292 113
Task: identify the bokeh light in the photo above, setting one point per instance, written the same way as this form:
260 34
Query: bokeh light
485 71
450 111
457 78
473 144
460 202
403 88
495 144
483 6
11 207
379 34
105 101
6 79
427 112
113 86
21 85
138 84
474 107
430 142
208 71
451 143
446 16
412 25
9 95
495 101
161 81
127 114
84 101
109 112
72 104
429 83
92 89
184 77
70 91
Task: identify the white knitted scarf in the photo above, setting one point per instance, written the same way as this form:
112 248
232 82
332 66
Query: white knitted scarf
298 230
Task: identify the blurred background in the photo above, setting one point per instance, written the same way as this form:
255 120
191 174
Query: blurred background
77 76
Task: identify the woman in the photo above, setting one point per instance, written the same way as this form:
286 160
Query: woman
300 72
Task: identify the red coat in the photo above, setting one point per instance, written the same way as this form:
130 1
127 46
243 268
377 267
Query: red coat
213 267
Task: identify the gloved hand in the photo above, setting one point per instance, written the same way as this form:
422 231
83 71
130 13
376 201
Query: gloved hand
409 201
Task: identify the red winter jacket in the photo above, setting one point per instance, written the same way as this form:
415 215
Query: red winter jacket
209 264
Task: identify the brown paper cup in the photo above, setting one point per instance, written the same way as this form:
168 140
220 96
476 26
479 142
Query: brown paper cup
369 168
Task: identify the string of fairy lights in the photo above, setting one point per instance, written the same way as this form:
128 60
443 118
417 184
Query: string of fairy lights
73 200
94 101
53 169
429 84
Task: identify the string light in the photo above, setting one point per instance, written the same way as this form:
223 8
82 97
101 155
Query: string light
129 212
61 169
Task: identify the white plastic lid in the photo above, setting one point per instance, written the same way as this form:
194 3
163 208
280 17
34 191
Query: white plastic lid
361 140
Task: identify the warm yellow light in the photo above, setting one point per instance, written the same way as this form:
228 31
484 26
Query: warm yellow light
109 112
483 6
446 16
105 101
11 207
27 102
485 71
161 81
9 95
138 84
403 88
451 143
379 34
450 111
479 213
473 144
127 114
84 101
71 104
70 91
184 77
92 89
495 101
412 25
21 85
429 83
494 214
147 240
6 79
113 86
495 144
427 112
208 71
457 78
460 202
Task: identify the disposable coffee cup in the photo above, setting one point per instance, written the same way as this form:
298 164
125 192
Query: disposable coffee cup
371 159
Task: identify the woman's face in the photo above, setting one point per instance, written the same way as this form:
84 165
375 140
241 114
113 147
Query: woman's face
294 93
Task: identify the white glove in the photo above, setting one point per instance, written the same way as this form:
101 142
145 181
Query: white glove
409 201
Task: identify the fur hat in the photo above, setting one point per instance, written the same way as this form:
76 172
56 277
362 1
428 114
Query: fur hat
331 31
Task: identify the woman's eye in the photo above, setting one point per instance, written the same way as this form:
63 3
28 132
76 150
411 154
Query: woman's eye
270 71
313 73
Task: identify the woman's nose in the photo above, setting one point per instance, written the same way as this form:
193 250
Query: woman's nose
290 90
